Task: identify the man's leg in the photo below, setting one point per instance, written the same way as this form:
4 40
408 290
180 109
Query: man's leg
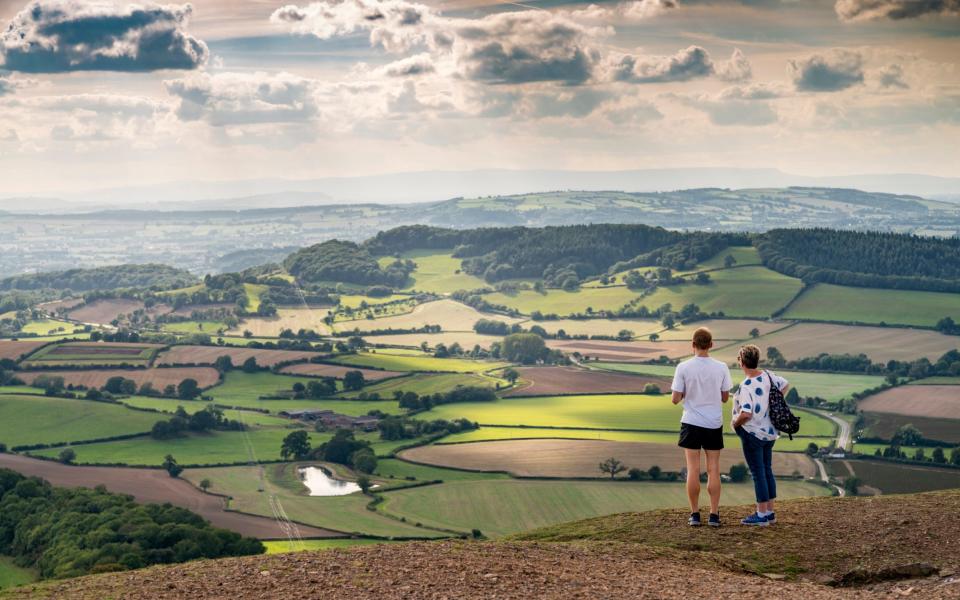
713 480
693 478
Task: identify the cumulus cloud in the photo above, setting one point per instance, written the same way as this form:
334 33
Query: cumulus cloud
623 11
419 64
834 71
690 63
864 10
245 98
734 107
53 36
503 48
891 76
735 70
7 85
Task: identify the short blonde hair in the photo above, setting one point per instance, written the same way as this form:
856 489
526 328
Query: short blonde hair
750 356
702 338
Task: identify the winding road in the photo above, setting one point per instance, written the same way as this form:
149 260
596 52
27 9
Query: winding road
155 486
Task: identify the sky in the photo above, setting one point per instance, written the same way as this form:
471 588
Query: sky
104 93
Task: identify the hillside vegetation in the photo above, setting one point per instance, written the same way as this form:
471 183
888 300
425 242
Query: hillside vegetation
151 276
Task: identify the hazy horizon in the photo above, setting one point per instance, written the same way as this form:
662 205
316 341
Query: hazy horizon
218 91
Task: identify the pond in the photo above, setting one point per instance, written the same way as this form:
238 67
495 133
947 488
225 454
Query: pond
320 482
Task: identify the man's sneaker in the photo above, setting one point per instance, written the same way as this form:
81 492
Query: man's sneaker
714 520
755 520
772 518
694 520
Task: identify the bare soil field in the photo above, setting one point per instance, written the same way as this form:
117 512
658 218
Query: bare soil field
879 343
154 486
467 339
294 319
54 306
206 355
448 314
338 371
578 458
640 327
100 350
553 381
885 425
14 350
105 311
724 329
932 401
159 378
622 351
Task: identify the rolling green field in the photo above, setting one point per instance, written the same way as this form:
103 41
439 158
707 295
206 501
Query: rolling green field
827 302
436 272
170 405
341 513
620 411
784 444
254 291
744 255
245 389
27 420
505 507
278 547
397 360
830 386
427 383
767 290
393 468
11 575
49 327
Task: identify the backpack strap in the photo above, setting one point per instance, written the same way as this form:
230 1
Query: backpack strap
772 382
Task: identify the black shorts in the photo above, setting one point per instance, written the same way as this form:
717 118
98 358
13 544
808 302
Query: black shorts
695 438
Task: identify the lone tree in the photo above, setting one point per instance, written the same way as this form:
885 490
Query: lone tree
188 389
812 449
511 375
729 261
297 445
223 363
171 466
653 337
353 380
364 482
524 348
754 333
738 473
612 467
654 472
67 456
851 485
907 435
205 484
250 365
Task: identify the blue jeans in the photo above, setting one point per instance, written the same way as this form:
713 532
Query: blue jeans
759 456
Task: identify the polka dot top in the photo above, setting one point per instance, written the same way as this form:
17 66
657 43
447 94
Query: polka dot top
754 397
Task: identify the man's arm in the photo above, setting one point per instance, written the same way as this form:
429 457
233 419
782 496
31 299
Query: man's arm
724 396
677 397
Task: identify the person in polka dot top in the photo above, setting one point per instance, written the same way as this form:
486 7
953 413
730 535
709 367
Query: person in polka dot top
751 421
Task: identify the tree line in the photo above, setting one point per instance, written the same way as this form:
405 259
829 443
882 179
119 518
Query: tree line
72 532
152 276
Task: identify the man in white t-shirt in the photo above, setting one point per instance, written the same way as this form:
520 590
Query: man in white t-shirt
702 384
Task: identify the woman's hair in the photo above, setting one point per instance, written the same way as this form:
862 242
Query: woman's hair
750 356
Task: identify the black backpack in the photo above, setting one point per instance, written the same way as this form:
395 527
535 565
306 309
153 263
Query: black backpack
780 415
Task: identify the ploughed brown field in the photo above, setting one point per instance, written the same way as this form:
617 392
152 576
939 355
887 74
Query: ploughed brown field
931 401
154 486
623 351
14 350
105 311
186 311
53 306
885 425
159 378
579 458
338 371
206 355
554 381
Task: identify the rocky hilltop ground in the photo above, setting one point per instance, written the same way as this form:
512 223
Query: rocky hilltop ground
883 547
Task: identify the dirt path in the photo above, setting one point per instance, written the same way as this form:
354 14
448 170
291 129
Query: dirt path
155 486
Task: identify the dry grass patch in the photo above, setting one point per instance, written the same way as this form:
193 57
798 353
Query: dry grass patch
879 343
723 329
105 311
15 350
294 319
578 458
639 327
930 401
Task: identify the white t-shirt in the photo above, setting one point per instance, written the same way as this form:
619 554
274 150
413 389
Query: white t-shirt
701 379
754 397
